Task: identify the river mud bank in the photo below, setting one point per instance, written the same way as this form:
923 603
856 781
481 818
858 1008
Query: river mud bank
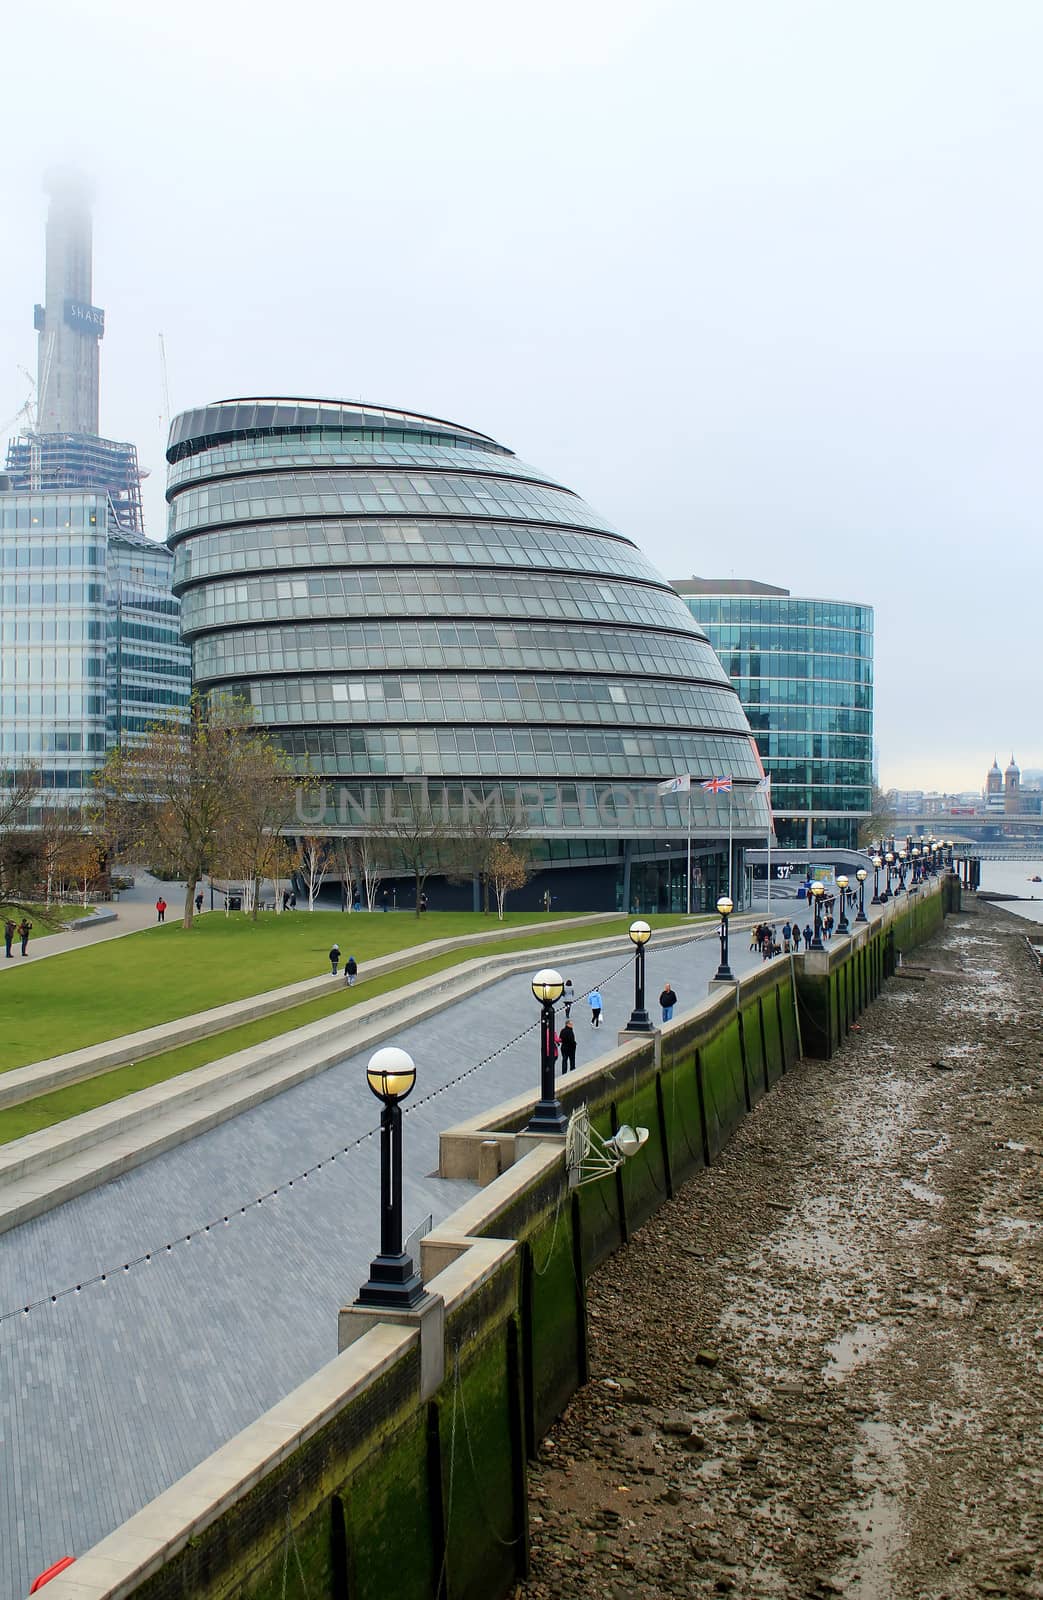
819 1369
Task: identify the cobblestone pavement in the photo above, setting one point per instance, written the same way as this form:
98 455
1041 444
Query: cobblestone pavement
111 1394
819 1371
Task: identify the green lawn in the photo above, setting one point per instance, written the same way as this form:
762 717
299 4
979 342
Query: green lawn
45 919
107 1086
118 986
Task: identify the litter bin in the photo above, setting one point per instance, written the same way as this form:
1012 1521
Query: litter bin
235 902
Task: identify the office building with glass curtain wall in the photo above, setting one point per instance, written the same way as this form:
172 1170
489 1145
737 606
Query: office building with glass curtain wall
804 672
414 612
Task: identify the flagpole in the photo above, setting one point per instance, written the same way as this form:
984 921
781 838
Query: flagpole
689 902
769 855
729 838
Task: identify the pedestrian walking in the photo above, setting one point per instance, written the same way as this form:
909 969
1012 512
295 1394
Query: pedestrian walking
668 1000
567 1040
809 934
161 909
351 971
594 1002
9 932
356 897
787 934
756 934
199 904
568 995
423 902
334 959
25 928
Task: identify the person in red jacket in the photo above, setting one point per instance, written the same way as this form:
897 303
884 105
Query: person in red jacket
161 909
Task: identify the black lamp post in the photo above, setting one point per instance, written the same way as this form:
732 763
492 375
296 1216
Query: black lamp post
861 875
903 863
548 1116
639 1022
393 1279
889 862
724 911
817 891
878 862
843 926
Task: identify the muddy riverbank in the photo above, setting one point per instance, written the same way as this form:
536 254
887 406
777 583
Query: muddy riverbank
819 1370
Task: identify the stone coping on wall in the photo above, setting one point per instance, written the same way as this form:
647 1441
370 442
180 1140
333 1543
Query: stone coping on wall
458 1258
52 1165
122 1561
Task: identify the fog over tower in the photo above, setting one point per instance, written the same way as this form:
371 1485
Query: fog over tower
69 325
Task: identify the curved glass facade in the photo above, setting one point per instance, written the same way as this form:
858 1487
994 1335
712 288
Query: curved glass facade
405 603
804 673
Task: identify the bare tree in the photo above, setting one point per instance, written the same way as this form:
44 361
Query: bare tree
316 861
173 795
414 840
19 846
250 845
508 869
880 822
367 861
471 847
60 830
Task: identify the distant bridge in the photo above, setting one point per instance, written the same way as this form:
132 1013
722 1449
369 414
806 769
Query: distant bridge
994 824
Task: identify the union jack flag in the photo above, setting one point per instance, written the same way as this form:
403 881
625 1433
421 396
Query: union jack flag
717 785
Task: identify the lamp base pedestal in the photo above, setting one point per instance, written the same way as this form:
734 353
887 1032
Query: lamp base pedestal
548 1117
640 1022
394 1284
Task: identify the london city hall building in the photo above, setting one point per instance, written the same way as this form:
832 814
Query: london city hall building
421 619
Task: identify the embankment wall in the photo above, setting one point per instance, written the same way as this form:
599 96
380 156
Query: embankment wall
400 1468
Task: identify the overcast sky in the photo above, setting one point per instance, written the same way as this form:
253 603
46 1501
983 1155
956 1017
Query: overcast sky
761 280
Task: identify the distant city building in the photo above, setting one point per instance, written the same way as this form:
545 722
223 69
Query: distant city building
90 648
804 672
90 645
416 614
994 787
1012 788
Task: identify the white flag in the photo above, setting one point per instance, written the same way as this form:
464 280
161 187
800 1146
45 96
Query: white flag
679 785
765 785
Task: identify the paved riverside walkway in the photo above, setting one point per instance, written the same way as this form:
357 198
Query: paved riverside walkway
110 1394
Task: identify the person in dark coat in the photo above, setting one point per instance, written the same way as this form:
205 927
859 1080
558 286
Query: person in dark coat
25 928
809 934
9 932
668 1000
567 1040
199 904
334 959
351 968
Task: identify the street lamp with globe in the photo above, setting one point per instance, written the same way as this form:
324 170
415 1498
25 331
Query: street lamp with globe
724 911
640 933
393 1279
548 1117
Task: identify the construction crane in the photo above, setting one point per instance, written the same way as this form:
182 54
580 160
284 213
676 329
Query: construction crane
26 414
165 418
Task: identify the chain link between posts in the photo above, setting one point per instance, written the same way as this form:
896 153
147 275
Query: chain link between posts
214 1224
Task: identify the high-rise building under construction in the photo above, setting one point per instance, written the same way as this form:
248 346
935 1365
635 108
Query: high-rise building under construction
90 648
65 450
